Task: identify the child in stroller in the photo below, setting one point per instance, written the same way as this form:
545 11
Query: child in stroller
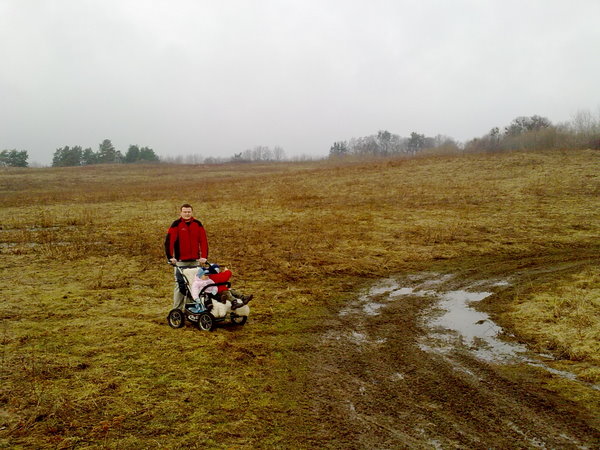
217 279
204 304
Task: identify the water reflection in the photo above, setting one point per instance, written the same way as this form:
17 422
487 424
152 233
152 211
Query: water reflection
453 322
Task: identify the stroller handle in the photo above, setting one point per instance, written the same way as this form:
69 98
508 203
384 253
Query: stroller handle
207 263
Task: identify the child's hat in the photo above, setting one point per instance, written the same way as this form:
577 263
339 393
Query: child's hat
214 268
201 272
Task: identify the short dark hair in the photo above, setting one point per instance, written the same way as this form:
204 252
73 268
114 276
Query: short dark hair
185 205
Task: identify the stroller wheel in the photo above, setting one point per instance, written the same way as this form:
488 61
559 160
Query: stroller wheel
239 320
206 321
176 318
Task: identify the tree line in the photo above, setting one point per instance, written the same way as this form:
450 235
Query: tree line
385 143
536 133
259 153
523 133
14 158
106 154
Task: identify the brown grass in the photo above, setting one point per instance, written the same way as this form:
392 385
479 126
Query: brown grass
562 316
87 357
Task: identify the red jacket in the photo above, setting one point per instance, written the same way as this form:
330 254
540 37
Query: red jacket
186 241
220 277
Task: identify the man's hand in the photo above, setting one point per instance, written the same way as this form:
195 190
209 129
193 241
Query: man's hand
202 260
173 261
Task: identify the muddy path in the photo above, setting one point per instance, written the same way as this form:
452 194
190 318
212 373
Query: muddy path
387 374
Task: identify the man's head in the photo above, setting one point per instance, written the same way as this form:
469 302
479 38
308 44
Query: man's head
186 211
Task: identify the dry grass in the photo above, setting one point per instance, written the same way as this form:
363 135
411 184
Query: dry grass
87 357
563 316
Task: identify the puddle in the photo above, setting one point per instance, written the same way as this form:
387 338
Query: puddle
460 324
362 339
372 309
459 321
453 322
381 294
397 376
402 291
359 338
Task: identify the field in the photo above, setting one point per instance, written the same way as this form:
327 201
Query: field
88 359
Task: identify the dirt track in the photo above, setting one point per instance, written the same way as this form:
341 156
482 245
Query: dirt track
373 386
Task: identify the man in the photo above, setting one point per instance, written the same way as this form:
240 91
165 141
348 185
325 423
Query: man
185 245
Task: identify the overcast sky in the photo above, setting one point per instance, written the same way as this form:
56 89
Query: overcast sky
218 77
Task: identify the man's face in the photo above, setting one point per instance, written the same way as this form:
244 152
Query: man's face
186 213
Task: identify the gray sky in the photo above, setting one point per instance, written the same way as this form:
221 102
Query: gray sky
218 77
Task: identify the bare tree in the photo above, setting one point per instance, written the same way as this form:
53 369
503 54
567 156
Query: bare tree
278 153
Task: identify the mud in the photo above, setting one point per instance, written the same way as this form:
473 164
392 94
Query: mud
411 363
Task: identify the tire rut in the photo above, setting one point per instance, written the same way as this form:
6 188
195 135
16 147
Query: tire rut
373 386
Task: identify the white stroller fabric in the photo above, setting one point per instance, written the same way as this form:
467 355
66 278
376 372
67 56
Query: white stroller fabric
220 309
190 274
243 311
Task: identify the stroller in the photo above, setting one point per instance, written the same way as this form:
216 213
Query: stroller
208 310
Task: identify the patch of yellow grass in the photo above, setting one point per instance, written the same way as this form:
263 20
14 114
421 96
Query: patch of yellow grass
564 316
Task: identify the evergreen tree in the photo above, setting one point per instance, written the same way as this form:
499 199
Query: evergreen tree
147 154
133 154
67 156
107 152
14 158
89 157
137 154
